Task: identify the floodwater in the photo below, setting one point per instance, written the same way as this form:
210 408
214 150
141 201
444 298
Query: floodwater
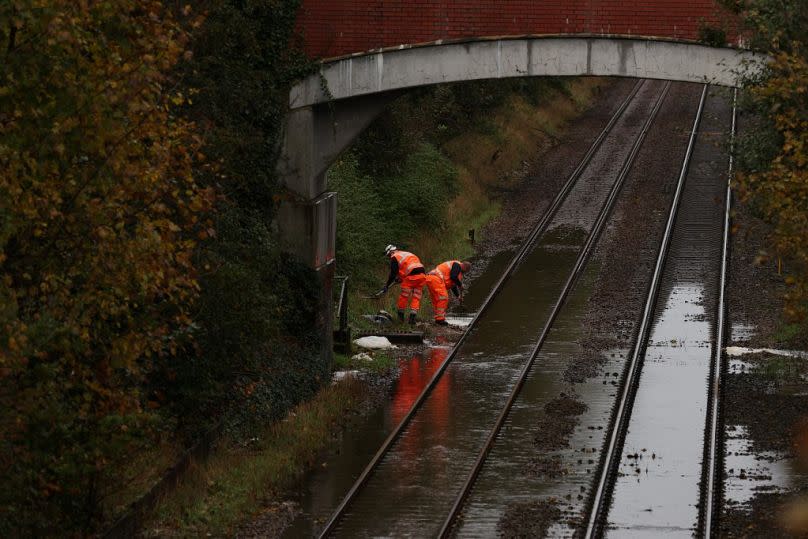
411 491
413 488
507 477
657 488
323 488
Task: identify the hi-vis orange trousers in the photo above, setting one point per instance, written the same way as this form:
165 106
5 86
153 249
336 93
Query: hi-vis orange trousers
411 287
438 294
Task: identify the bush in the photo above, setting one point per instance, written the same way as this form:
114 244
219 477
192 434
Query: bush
774 146
257 351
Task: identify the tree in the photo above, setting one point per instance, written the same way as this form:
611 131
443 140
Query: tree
773 152
98 214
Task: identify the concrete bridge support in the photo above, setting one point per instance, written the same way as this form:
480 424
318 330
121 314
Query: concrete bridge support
314 137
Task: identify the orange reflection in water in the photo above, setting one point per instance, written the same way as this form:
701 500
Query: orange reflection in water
429 432
415 374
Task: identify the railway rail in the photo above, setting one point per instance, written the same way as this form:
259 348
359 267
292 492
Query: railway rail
709 495
537 232
594 234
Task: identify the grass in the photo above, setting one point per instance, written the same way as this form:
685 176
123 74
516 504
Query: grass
238 479
143 470
382 361
790 334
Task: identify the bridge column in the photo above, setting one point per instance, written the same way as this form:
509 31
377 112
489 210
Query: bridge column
307 217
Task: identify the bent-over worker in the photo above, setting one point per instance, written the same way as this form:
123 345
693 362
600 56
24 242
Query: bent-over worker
407 269
446 276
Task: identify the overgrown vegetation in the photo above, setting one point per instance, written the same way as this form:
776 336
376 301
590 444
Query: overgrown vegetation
256 350
430 168
99 210
773 150
144 297
234 484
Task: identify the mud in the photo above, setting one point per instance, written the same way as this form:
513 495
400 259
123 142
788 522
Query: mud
767 404
755 290
553 430
765 396
529 519
271 522
546 467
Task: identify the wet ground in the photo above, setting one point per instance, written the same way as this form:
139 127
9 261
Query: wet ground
658 486
412 489
323 488
766 400
548 452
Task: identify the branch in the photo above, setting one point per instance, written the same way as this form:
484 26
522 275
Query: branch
12 36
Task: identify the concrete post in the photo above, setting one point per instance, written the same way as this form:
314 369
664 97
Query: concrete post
307 217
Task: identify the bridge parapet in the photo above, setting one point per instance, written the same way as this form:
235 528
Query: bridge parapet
524 56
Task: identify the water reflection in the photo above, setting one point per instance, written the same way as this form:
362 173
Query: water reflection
658 487
322 489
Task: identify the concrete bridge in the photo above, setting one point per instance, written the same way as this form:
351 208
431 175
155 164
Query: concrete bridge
376 50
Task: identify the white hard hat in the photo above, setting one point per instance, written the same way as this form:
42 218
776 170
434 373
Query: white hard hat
389 249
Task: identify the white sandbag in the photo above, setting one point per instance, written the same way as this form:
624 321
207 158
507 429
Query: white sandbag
342 375
373 342
363 356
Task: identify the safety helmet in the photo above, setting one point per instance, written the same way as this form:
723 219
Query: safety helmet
389 249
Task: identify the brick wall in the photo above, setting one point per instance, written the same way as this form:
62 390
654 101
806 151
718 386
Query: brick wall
336 27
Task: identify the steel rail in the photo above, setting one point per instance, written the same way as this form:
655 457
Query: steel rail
622 415
537 231
580 263
708 502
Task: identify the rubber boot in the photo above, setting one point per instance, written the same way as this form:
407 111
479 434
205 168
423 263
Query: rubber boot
401 316
412 319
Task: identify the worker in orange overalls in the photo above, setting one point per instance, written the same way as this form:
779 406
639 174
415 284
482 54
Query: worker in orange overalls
407 269
446 276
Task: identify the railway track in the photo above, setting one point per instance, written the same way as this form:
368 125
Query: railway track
598 521
633 125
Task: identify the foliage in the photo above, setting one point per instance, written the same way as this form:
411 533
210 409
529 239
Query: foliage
374 211
244 61
97 207
773 177
712 35
397 183
257 350
362 220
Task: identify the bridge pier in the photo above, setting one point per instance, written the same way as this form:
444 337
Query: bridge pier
314 136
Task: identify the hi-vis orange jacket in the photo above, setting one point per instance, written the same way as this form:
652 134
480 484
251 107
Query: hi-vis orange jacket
403 264
452 275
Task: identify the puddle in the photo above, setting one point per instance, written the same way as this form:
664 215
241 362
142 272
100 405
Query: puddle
735 351
749 473
657 489
740 333
323 488
460 319
658 485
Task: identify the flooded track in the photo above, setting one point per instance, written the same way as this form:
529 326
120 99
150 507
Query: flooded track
658 467
411 484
